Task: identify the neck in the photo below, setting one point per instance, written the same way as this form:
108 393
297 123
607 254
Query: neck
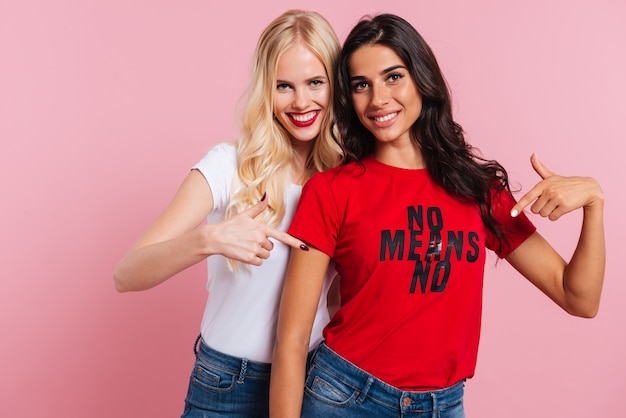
301 152
407 155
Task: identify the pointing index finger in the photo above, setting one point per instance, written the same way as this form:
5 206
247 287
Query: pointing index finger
526 200
285 238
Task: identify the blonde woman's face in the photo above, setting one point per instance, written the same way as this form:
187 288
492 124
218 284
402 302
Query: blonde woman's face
302 93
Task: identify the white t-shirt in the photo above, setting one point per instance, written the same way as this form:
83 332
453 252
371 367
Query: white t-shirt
242 307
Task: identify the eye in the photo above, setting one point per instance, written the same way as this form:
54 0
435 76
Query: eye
283 86
393 77
317 82
360 86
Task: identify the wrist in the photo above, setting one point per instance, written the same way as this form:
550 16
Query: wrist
206 240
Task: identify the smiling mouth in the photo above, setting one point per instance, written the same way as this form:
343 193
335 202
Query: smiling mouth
304 119
385 118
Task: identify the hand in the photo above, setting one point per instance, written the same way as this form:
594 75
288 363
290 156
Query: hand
244 239
555 195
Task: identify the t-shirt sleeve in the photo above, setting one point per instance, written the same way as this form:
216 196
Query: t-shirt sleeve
516 230
218 167
316 220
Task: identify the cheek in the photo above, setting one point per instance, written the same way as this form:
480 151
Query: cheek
323 98
278 111
412 97
417 106
281 101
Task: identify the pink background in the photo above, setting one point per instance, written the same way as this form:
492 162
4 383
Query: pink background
105 105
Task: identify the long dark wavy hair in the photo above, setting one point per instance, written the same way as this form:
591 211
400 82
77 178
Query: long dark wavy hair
451 162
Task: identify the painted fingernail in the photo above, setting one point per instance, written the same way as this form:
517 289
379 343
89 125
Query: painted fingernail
514 213
263 197
304 247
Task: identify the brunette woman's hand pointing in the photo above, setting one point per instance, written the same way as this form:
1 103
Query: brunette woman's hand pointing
557 195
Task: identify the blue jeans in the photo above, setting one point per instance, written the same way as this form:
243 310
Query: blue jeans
226 386
337 388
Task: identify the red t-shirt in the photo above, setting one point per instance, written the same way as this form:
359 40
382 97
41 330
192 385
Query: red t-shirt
411 260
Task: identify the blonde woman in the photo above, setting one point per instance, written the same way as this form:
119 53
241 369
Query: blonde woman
248 191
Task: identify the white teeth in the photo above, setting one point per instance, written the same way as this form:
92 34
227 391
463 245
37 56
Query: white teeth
386 117
306 117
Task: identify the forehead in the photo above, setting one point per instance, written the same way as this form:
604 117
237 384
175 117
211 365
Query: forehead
298 61
373 59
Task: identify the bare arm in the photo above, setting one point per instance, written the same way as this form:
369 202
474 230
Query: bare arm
175 241
333 300
301 293
575 286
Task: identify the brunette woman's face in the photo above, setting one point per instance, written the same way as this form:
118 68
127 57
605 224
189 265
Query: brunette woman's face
384 95
302 93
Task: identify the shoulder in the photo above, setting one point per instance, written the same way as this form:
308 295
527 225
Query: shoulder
341 175
221 155
335 187
501 198
224 149
219 168
516 229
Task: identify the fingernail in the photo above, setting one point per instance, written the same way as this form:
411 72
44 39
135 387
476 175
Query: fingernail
514 213
304 247
263 197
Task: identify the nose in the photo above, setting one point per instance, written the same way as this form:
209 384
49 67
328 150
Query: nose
301 99
380 95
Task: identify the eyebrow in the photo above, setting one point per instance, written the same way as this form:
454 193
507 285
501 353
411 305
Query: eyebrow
392 68
315 77
383 72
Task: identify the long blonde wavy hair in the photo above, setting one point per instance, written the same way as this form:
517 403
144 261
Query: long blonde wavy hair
264 150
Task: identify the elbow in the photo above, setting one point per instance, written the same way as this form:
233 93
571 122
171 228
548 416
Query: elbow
587 311
587 314
121 285
290 343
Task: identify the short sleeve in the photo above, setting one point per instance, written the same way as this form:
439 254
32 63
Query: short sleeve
316 220
218 167
516 229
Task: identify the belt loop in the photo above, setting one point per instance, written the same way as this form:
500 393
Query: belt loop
365 390
434 399
195 345
242 370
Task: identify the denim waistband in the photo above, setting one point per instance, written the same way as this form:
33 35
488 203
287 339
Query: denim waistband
382 392
242 366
